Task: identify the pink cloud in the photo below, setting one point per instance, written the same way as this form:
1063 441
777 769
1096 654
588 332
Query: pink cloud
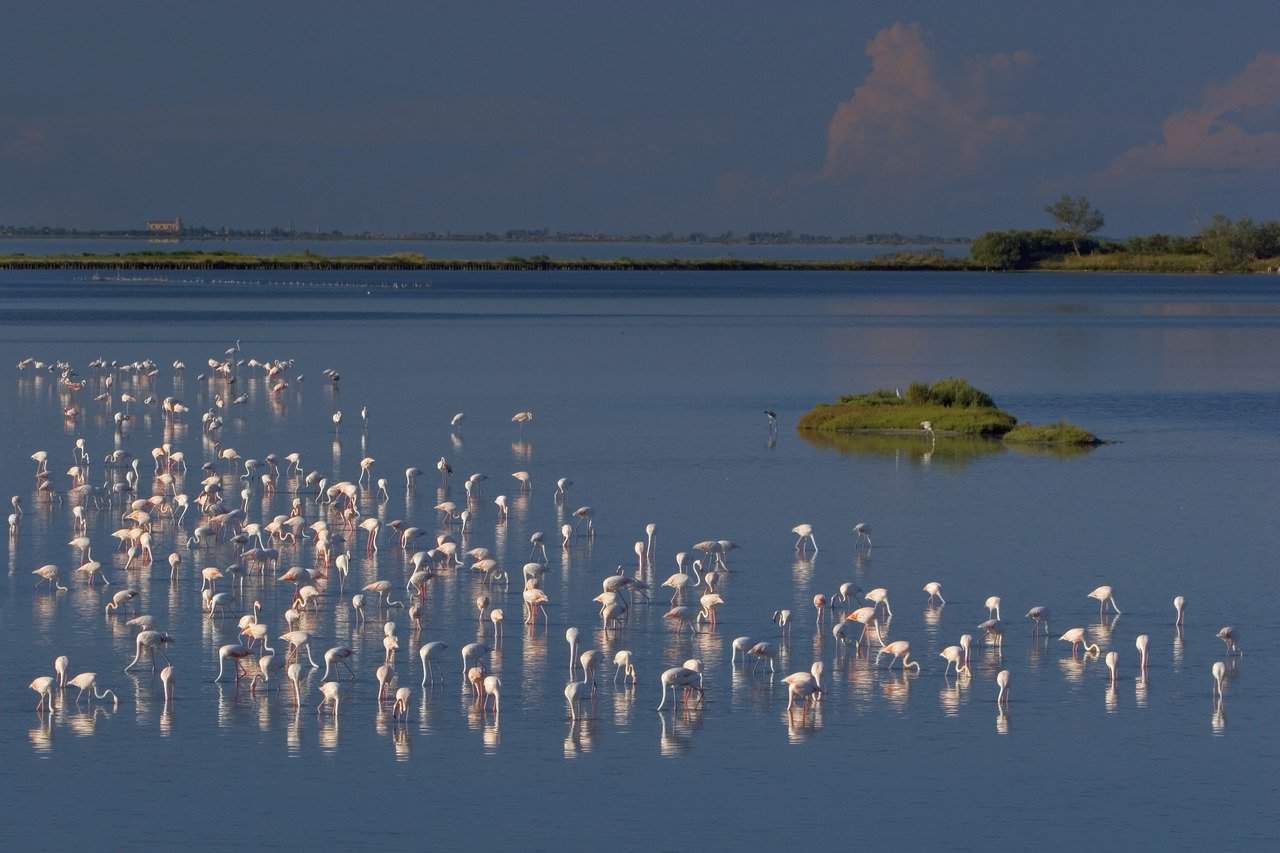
1214 136
908 120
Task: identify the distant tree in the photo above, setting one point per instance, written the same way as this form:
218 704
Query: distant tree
1076 218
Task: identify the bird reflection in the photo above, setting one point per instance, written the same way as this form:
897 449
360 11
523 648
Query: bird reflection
802 572
1002 721
1072 669
581 737
41 734
802 726
400 742
329 733
1102 629
949 698
897 691
676 736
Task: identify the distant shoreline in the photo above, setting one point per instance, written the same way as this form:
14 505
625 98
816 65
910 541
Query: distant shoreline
411 261
414 262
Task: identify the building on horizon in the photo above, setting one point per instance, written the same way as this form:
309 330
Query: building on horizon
165 226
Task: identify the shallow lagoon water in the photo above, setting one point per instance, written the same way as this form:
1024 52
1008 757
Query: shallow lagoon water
648 391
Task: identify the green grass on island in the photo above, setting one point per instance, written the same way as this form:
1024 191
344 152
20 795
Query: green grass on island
951 406
1059 433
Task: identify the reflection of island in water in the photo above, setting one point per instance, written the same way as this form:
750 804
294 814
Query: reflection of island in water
950 451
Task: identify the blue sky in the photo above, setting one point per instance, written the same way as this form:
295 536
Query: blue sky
821 116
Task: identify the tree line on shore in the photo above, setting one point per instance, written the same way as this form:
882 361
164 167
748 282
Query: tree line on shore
1222 245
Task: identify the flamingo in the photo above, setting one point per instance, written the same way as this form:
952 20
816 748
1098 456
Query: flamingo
879 596
237 653
782 618
1219 671
166 683
804 686
330 692
1112 660
623 665
739 647
1227 634
425 653
575 693
1039 615
993 606
1104 595
863 531
88 681
571 637
1002 681
43 686
900 649
473 652
493 689
804 531
868 618
400 708
1140 642
49 574
1178 604
935 591
1075 636
339 655
764 651
954 656
675 678
297 641
154 642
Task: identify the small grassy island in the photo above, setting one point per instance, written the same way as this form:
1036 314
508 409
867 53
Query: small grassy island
952 407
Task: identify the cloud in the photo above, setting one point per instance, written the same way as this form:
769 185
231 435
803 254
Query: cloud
1234 128
910 122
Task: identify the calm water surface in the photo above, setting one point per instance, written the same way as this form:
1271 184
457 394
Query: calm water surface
648 391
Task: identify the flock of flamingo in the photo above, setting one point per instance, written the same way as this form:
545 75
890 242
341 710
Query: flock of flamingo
320 533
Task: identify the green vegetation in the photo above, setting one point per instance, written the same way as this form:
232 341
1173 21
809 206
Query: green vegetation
1221 246
1061 433
1076 218
952 407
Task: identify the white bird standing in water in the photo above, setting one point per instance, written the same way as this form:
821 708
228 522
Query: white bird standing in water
1178 604
1140 643
804 532
1075 636
1227 634
1103 595
1002 681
